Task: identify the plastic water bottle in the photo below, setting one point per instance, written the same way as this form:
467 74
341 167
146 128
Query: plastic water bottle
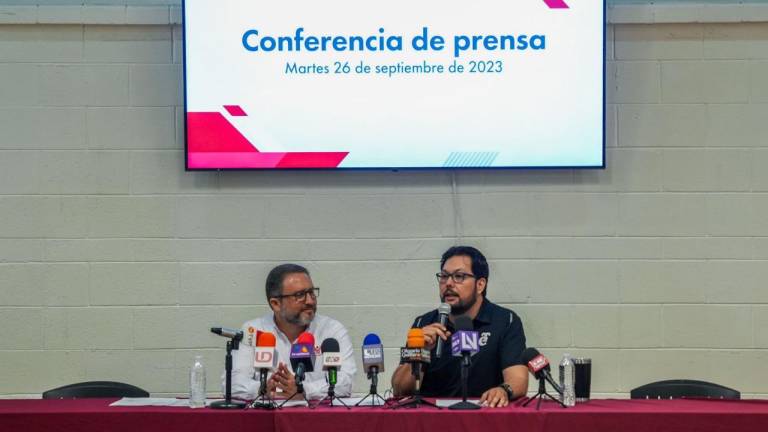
568 380
197 384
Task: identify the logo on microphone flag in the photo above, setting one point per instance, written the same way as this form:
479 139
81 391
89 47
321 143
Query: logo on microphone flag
302 351
264 356
465 341
537 363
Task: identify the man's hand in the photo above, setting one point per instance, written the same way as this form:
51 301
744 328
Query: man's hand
432 332
282 379
494 398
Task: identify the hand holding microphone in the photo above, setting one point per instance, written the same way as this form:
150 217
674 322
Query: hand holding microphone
443 311
436 334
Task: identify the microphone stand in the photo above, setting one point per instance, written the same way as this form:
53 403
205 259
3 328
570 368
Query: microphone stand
263 401
416 400
373 393
464 404
299 389
331 396
540 395
228 403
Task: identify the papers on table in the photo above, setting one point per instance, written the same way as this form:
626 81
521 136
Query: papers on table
174 402
448 402
352 401
292 403
168 402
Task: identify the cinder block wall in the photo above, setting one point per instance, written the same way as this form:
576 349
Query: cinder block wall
114 261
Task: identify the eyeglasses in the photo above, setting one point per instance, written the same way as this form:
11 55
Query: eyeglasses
457 277
301 296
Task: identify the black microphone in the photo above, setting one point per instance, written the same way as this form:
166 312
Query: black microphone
443 310
331 359
538 365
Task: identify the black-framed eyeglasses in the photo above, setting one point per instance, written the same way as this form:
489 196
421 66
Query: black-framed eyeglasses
301 296
457 277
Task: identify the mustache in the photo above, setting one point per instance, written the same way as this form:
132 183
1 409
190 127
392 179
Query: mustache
449 292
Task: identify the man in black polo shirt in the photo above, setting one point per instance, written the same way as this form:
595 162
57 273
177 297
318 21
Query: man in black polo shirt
497 374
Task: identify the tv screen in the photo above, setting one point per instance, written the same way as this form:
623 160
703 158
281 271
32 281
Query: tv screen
394 85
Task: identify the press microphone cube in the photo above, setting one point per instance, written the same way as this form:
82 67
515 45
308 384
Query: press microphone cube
464 341
264 358
331 360
373 356
537 363
415 355
303 354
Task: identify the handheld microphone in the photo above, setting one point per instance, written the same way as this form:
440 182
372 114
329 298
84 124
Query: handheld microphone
538 365
264 358
236 335
331 359
443 311
303 355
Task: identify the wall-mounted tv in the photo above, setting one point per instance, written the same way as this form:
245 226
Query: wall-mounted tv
394 85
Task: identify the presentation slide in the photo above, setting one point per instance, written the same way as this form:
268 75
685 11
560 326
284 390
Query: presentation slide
401 84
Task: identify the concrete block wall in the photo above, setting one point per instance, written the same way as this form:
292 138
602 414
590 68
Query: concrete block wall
114 261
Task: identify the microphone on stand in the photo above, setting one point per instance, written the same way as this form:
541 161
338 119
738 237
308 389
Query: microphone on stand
373 363
303 355
331 360
538 365
416 355
464 343
302 361
332 364
443 311
264 359
234 336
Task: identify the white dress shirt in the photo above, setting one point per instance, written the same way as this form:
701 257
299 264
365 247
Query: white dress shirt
245 379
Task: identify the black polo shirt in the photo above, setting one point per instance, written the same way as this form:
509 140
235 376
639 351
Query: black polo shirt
502 341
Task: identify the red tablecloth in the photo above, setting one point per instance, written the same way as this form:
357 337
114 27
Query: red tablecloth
598 415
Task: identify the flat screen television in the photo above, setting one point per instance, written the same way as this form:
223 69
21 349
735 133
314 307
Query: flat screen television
341 84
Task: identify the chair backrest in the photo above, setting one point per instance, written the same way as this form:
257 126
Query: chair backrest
674 389
95 389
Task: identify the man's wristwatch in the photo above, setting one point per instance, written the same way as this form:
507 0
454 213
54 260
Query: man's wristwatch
508 389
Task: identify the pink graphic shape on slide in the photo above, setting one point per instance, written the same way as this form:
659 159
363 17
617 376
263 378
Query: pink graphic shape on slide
556 4
312 159
235 110
211 132
282 160
213 142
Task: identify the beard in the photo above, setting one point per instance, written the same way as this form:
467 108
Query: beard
462 306
298 318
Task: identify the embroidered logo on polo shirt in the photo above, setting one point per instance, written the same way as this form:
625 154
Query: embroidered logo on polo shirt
484 338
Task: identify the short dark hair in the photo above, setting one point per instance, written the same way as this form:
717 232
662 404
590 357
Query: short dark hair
479 263
274 285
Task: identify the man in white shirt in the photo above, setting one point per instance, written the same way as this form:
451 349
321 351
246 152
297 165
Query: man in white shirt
293 299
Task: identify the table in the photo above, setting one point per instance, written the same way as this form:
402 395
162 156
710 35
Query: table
88 415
